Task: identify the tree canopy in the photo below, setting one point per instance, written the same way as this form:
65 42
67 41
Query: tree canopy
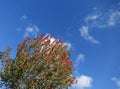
39 64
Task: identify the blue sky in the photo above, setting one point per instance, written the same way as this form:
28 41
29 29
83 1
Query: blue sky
90 28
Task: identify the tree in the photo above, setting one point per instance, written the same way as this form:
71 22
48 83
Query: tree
39 64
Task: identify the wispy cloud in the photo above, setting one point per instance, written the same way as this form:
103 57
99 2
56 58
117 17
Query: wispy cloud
85 34
114 17
27 27
81 57
100 19
117 81
31 30
83 82
23 18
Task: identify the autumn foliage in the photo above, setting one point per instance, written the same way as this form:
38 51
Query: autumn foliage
39 64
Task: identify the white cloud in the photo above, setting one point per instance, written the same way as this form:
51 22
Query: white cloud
100 20
81 57
85 34
28 28
92 17
68 44
117 81
114 18
83 82
24 17
31 30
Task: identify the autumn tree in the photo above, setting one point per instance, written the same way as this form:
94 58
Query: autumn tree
39 64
